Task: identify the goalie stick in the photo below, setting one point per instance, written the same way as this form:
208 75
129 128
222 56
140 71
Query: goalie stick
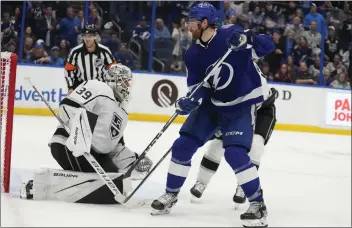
173 117
119 197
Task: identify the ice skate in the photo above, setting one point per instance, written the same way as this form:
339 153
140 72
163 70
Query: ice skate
163 204
197 191
239 197
256 215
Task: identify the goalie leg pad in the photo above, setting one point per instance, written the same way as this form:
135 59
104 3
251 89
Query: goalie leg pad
75 187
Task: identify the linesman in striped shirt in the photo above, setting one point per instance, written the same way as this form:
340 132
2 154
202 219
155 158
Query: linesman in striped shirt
87 61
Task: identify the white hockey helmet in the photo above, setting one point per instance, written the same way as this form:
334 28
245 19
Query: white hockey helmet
119 78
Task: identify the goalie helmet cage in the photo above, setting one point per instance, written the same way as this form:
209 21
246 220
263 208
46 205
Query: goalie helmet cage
7 100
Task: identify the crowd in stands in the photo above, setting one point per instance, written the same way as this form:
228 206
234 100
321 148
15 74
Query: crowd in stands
300 30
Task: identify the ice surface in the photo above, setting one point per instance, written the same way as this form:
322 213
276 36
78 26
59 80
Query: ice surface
306 180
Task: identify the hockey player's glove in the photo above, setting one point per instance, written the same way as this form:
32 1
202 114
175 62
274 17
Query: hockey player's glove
185 105
236 40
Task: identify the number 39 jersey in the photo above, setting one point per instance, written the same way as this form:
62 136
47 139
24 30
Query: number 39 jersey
109 119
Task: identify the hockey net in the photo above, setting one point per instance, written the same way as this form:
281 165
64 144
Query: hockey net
7 100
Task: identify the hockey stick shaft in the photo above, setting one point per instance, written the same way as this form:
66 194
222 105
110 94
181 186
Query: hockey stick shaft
146 177
173 117
92 161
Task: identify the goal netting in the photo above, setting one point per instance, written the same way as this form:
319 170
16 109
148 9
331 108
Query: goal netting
7 100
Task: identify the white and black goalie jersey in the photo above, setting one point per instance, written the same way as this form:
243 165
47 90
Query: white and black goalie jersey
106 116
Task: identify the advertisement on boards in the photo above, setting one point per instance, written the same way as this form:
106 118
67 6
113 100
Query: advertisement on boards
298 104
156 94
49 81
338 109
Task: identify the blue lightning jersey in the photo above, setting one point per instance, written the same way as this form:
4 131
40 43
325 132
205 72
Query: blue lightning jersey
236 82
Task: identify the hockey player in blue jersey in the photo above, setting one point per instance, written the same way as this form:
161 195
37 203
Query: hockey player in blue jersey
227 102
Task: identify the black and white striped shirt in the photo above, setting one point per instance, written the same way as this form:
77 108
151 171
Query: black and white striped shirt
82 65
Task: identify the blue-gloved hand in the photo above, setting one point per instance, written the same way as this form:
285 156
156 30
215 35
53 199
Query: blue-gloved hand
236 40
185 105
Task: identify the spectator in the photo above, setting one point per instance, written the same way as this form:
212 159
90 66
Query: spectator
336 67
314 69
94 18
232 19
27 49
302 52
228 10
47 27
290 11
125 57
299 14
28 33
346 33
318 18
327 80
35 13
80 17
332 45
303 76
69 27
269 24
291 65
5 21
161 31
64 49
141 31
313 37
11 46
256 20
112 43
38 55
341 82
283 75
274 58
183 39
289 42
345 56
54 59
16 19
266 71
296 27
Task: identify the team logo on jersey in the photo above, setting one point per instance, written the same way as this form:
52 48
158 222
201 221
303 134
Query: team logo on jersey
115 126
222 76
98 62
164 93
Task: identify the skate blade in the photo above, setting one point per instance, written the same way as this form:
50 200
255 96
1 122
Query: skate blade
160 212
195 200
255 223
238 205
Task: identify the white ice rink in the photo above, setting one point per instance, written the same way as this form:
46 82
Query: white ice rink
306 180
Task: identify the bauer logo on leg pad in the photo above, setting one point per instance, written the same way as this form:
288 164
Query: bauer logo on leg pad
115 126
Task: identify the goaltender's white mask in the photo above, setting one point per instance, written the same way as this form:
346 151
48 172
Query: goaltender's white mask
119 78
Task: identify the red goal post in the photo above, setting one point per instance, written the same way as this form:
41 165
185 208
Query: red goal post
7 101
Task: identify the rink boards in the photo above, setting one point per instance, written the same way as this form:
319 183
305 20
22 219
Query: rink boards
299 108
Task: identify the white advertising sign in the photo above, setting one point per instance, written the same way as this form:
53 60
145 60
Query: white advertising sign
298 104
156 94
338 109
49 81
